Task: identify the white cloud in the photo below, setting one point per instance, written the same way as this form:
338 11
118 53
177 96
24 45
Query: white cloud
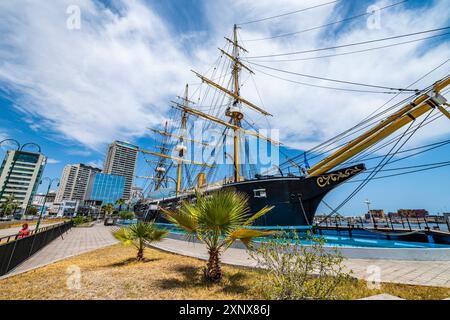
96 164
108 80
52 161
307 116
116 76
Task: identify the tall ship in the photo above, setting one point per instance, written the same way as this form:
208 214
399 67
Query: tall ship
296 194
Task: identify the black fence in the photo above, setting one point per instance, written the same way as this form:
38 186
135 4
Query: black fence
14 251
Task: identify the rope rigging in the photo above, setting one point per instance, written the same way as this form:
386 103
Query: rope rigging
370 120
356 51
379 167
287 13
350 44
334 80
364 14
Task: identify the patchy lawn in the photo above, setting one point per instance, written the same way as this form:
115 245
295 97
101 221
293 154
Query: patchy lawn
112 273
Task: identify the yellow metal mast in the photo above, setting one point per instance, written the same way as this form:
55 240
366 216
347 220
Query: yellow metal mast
234 111
421 105
181 147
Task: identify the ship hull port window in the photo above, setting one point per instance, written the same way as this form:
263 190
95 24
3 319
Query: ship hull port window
260 193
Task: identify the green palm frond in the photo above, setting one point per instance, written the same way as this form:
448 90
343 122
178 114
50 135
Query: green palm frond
246 236
185 218
123 236
257 215
222 211
141 231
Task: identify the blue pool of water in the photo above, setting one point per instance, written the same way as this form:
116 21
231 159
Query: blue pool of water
330 240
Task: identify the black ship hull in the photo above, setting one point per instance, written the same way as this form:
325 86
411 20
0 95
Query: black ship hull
295 199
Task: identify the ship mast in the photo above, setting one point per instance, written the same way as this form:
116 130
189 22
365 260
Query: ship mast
161 165
235 111
181 148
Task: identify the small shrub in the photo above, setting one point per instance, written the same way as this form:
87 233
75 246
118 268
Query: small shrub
79 220
126 215
297 271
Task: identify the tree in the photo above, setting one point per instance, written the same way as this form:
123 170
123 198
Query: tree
139 235
300 268
108 208
120 202
9 206
32 211
218 220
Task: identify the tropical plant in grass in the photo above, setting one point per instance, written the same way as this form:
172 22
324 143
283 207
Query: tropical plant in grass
32 211
108 208
218 220
9 206
139 235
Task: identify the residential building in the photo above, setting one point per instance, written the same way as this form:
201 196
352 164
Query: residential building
66 208
412 213
38 199
107 188
74 183
375 213
121 161
38 202
20 175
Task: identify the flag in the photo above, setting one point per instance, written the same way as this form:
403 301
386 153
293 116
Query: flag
306 161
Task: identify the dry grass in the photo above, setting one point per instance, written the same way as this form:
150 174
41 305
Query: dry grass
112 273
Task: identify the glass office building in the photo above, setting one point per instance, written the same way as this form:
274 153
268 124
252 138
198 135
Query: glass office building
107 188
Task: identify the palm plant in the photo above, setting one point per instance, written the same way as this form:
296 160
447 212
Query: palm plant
120 202
140 234
10 205
218 220
108 208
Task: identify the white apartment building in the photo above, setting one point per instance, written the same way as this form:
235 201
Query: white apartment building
74 182
121 161
20 175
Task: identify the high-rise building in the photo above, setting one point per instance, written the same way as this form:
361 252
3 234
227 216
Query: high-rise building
74 183
121 161
107 188
20 175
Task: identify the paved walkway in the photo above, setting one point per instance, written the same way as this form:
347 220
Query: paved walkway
76 241
427 273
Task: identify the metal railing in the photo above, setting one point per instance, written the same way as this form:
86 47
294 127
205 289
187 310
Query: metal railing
14 251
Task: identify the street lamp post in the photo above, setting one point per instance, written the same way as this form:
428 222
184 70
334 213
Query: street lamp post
370 213
50 182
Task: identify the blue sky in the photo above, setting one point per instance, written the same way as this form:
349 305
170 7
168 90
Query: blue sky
73 92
